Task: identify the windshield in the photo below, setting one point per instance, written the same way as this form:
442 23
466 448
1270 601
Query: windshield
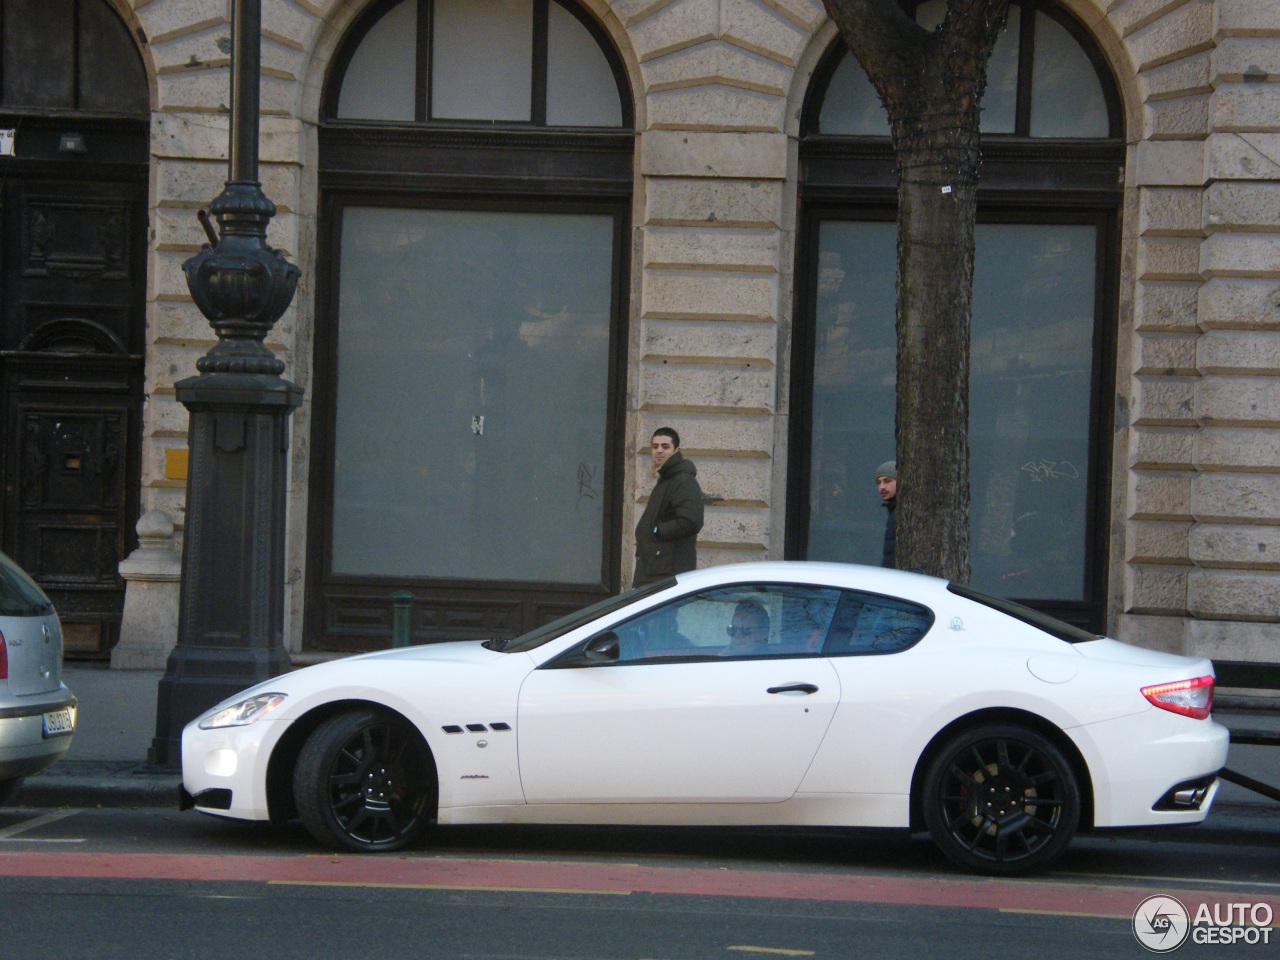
558 628
1041 621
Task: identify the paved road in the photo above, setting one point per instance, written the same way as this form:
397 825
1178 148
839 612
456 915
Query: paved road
184 885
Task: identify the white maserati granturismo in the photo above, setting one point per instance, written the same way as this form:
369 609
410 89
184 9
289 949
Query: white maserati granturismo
752 694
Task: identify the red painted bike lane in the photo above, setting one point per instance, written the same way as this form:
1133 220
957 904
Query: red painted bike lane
540 876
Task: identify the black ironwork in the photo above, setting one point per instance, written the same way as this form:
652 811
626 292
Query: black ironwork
231 614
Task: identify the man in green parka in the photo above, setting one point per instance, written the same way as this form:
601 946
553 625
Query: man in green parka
667 534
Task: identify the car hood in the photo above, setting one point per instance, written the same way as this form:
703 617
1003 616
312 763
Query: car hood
369 670
457 651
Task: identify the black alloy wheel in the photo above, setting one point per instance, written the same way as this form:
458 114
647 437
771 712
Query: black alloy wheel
1001 799
365 781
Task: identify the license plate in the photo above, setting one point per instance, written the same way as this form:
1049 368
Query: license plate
59 722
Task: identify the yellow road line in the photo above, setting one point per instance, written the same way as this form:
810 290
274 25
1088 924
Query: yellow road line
1067 913
779 951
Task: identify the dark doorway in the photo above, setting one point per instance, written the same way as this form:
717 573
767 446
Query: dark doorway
73 240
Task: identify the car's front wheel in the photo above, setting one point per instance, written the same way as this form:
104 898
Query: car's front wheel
365 781
1001 799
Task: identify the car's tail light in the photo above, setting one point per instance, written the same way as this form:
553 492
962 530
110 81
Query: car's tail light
1191 698
4 659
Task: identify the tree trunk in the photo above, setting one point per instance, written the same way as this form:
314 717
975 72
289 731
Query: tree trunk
931 85
935 296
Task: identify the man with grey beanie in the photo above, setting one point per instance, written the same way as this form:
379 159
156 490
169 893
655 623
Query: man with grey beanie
887 487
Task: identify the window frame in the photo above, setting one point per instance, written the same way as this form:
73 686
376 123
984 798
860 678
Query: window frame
466 609
464 165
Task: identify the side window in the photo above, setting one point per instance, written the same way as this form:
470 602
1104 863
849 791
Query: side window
865 624
756 620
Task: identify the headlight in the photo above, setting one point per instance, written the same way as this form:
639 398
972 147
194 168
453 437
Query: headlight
243 712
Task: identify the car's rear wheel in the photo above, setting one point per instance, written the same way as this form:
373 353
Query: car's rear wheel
365 781
8 788
1001 799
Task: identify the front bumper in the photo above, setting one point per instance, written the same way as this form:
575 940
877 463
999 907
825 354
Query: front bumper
224 771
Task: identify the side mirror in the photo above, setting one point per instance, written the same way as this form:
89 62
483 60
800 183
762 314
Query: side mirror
602 649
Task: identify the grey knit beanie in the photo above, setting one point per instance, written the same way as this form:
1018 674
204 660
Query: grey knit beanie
888 469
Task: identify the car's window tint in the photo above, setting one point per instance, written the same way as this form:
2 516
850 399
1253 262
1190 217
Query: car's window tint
558 628
868 624
743 620
19 595
1041 621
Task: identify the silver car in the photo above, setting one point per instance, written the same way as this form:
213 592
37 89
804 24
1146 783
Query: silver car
37 713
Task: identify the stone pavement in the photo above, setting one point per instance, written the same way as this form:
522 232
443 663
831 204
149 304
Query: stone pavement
106 765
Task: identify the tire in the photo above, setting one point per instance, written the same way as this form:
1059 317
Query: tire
1001 799
365 781
8 788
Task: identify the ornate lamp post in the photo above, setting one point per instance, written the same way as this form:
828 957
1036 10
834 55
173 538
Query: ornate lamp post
231 612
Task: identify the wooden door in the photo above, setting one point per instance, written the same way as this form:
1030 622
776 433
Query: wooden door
73 280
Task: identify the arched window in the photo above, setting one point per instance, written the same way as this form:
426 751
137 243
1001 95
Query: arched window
1042 350
69 55
475 175
1041 82
516 61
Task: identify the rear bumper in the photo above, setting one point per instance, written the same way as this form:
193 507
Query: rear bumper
24 749
1150 758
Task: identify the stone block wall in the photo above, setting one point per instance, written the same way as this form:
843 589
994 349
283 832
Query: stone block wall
718 84
1203 471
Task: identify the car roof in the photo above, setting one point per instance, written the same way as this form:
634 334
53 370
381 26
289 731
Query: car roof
850 575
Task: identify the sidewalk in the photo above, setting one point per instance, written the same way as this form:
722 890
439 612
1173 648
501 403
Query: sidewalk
106 765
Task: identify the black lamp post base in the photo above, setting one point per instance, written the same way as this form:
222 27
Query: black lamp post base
231 612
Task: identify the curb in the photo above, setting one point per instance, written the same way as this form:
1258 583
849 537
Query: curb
124 785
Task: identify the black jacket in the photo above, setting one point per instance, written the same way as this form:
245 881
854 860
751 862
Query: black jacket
667 534
890 533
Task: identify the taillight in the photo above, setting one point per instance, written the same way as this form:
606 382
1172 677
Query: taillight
1191 698
4 659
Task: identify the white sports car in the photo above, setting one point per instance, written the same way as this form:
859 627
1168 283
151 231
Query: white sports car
751 694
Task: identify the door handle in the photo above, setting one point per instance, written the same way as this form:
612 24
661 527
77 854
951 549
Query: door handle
795 688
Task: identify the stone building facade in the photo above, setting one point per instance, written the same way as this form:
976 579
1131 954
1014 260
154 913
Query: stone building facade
718 280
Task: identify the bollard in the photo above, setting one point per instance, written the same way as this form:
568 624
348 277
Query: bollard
401 604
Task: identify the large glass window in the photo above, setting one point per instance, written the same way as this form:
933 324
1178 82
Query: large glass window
1043 316
1030 412
473 362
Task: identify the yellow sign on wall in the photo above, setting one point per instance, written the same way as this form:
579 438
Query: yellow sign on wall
175 463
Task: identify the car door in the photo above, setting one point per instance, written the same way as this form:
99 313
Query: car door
678 713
